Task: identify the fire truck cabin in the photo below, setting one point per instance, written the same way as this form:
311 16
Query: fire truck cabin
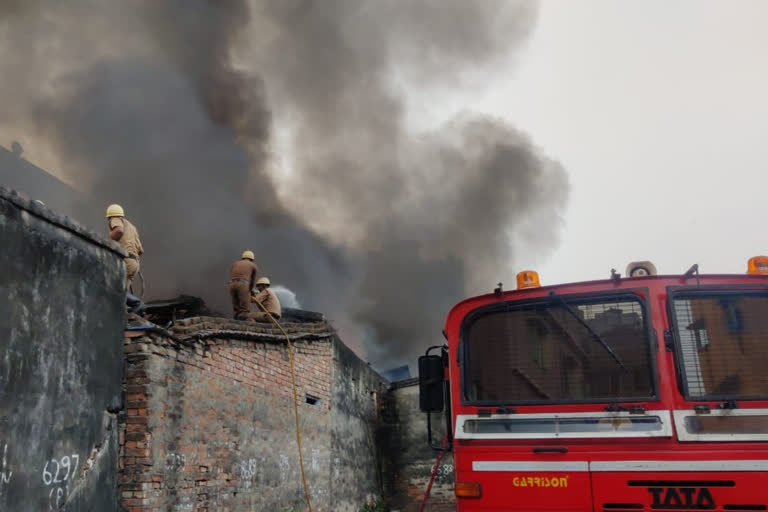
638 393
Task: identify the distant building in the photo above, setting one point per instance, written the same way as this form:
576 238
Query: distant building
399 373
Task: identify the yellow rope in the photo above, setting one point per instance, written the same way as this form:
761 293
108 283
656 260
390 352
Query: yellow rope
295 401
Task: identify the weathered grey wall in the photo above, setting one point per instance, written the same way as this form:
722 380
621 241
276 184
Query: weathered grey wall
408 460
61 321
356 476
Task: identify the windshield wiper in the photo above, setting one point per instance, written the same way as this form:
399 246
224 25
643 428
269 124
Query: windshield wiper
592 332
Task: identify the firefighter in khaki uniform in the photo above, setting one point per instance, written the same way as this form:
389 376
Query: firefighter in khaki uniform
241 279
268 300
125 233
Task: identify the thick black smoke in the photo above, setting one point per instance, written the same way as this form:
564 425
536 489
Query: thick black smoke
144 107
285 126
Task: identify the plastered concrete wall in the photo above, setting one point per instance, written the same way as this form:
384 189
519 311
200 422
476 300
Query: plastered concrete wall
356 472
408 460
61 320
209 420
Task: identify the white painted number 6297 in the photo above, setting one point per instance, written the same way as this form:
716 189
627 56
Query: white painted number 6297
66 462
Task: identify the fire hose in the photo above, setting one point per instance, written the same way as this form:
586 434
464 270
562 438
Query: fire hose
443 444
295 401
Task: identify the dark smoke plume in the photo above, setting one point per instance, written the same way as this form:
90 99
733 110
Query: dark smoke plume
145 108
286 126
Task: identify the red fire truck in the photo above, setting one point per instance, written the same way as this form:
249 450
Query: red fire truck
637 393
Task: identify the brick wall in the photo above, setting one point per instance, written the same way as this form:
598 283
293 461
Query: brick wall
209 419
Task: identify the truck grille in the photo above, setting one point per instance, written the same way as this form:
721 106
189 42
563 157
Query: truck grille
679 504
634 507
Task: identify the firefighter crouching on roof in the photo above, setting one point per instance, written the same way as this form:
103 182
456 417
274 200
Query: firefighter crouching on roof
241 279
268 300
126 234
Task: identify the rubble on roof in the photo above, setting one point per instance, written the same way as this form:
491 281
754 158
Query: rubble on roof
163 312
208 327
187 319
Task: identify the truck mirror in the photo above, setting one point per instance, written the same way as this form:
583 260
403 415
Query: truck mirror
431 376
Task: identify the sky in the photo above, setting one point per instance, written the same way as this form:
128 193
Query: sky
658 112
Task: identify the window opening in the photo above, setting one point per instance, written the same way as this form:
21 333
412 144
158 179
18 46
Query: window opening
723 343
557 350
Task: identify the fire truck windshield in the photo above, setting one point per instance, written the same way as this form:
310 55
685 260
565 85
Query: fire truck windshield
558 350
721 343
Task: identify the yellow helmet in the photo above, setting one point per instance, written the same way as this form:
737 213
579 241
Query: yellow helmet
263 280
115 210
247 255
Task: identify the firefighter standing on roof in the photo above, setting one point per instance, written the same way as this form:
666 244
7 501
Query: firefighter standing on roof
268 301
241 280
126 234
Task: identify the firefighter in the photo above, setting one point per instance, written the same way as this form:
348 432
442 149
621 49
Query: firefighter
126 234
268 301
241 279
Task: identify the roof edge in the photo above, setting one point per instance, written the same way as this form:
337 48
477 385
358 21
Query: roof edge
39 210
